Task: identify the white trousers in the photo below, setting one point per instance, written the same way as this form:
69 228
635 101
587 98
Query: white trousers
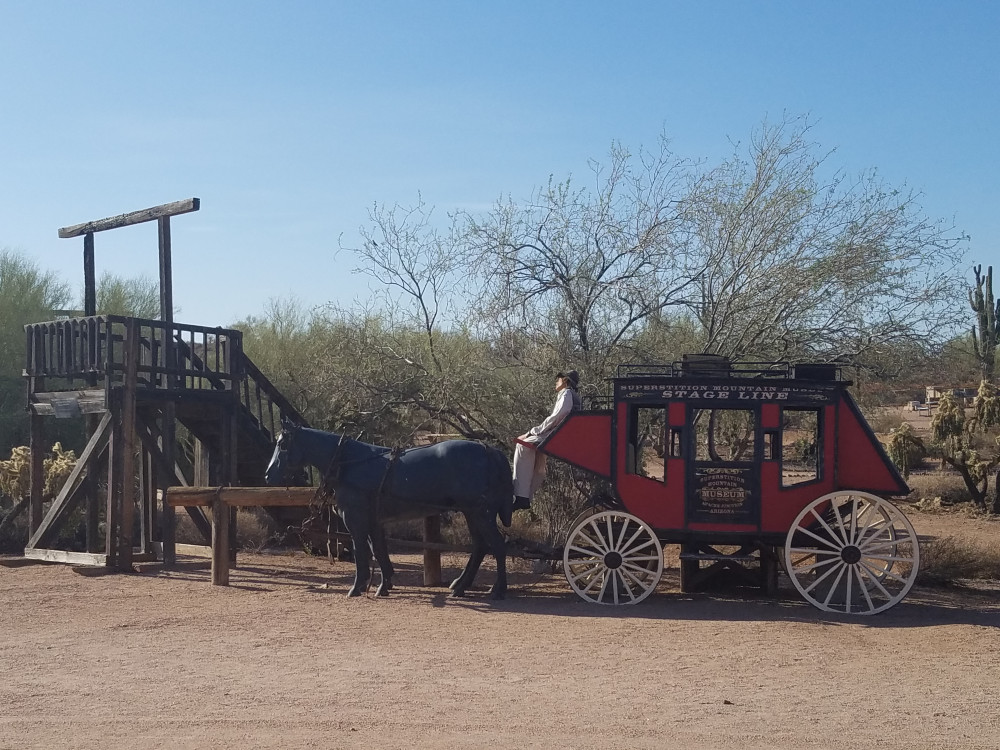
529 470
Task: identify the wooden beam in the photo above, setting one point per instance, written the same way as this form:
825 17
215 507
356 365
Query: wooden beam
125 526
241 497
89 276
135 217
61 556
220 542
61 504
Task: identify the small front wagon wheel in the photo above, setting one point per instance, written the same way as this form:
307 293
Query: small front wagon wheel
613 558
853 553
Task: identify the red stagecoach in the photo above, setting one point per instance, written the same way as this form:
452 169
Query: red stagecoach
747 467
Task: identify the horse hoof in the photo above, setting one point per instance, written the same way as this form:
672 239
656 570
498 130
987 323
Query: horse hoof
383 591
454 584
458 593
354 592
498 595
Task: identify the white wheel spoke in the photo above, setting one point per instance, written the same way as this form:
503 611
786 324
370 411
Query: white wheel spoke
888 558
822 578
600 543
589 571
601 576
632 538
869 548
833 588
636 579
832 543
650 543
864 541
854 521
886 573
642 558
875 579
614 586
840 522
588 552
850 579
811 551
799 569
825 525
864 589
604 584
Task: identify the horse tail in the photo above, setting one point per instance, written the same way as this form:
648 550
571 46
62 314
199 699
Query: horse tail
501 486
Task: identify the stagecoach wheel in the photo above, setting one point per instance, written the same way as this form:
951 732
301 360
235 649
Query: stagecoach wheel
852 553
613 558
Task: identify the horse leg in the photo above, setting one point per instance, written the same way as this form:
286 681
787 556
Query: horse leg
486 535
356 521
381 552
460 584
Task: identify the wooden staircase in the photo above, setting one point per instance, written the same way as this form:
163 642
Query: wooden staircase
136 381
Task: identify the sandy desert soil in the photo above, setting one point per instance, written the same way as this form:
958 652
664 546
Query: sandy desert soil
281 659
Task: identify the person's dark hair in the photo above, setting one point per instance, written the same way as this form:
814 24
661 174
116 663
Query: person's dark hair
572 376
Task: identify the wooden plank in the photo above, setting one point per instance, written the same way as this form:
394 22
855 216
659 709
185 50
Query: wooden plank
89 401
92 452
241 497
62 556
134 217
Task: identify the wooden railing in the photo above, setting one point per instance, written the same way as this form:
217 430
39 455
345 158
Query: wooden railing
172 357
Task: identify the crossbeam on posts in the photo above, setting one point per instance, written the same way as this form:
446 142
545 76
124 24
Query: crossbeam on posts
135 217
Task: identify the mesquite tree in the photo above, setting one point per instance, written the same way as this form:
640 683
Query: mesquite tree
985 335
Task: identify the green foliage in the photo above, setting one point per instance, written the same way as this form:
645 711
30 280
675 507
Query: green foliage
27 295
948 423
137 297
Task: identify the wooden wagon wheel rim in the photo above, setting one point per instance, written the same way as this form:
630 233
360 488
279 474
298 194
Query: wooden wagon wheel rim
852 553
613 558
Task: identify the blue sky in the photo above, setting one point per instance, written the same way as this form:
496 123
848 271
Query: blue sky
289 120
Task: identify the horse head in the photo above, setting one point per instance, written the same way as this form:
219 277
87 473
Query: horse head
287 459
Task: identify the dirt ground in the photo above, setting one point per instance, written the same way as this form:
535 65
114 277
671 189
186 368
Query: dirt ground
282 659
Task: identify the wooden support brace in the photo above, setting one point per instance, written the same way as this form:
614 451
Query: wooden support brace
88 460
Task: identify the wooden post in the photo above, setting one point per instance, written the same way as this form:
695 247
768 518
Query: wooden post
220 542
128 445
168 529
89 276
112 515
37 447
93 509
432 558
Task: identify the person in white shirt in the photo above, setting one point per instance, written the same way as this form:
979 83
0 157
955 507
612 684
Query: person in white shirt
529 464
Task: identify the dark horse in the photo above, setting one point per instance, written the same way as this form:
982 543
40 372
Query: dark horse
373 484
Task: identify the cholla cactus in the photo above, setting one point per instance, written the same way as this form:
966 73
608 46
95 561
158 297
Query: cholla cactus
948 424
986 407
905 449
15 472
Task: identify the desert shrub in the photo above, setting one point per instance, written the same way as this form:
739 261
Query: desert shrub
945 488
951 559
883 420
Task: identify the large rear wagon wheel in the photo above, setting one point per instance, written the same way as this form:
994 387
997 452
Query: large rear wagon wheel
613 558
852 553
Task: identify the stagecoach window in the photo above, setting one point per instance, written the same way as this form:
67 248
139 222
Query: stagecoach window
800 446
645 447
724 435
771 445
677 442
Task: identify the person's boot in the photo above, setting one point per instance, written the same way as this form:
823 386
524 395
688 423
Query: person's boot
521 503
506 511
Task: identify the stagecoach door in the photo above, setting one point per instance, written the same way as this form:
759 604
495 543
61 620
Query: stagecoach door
723 476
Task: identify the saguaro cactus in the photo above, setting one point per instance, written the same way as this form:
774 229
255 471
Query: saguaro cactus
987 310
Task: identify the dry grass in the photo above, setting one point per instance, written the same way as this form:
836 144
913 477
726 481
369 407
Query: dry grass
951 559
937 488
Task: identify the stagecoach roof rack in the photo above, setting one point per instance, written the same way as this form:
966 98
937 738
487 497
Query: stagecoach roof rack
716 366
